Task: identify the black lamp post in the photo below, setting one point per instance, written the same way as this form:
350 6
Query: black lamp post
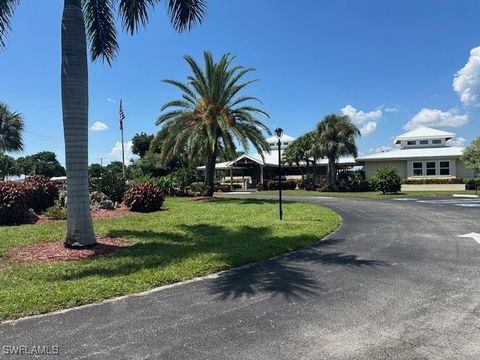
279 133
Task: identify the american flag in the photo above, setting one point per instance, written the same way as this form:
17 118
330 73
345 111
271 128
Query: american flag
122 116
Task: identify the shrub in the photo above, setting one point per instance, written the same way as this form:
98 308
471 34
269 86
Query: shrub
471 182
223 188
56 212
197 187
387 180
432 181
260 187
144 197
111 184
13 203
41 193
286 185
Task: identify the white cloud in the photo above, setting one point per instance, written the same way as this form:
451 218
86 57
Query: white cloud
467 80
117 151
458 141
109 99
99 126
437 119
366 121
391 109
368 128
383 148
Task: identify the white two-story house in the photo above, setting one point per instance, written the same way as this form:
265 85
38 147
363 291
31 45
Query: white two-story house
422 153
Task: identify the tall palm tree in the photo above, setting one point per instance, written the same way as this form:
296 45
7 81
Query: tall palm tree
11 128
93 20
210 115
335 137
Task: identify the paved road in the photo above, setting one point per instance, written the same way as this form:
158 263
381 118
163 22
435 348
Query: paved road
394 282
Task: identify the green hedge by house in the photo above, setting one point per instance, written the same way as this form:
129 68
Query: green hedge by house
432 181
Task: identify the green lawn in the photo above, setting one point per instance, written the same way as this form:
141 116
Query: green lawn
368 194
188 239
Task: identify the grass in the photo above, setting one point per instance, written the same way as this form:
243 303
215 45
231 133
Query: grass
186 240
369 194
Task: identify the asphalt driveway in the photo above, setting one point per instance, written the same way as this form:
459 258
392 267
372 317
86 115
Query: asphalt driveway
394 282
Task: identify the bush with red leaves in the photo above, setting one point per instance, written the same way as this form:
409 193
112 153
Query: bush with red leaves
13 203
144 197
41 192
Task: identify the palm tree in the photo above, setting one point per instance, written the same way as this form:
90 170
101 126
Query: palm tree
210 115
92 20
335 137
11 128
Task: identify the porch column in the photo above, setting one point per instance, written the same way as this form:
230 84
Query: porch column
261 174
231 178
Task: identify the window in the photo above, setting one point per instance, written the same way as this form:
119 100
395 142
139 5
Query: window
444 167
423 142
431 168
436 141
417 169
411 142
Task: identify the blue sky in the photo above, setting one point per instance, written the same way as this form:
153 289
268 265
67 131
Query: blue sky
381 62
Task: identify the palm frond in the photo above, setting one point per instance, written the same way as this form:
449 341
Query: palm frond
7 9
134 13
101 31
185 13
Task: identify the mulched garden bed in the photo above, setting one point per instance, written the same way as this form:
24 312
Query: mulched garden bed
55 251
97 214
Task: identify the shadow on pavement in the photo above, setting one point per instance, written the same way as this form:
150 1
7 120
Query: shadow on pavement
286 275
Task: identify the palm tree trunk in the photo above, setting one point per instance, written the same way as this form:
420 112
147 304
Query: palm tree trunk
210 173
331 171
75 125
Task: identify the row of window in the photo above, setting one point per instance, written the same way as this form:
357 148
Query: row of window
424 142
431 168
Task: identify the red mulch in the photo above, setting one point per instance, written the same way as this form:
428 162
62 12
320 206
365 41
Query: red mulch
98 214
56 251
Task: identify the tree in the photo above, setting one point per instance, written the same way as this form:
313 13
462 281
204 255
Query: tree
94 20
7 166
141 144
471 156
11 123
335 137
300 150
96 170
210 115
45 163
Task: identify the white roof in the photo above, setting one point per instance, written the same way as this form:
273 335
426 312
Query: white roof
415 153
284 138
271 159
423 132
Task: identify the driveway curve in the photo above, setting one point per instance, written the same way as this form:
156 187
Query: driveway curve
393 282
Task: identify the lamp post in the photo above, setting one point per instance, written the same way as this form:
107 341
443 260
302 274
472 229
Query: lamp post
279 133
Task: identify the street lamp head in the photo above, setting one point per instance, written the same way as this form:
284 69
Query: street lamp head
279 132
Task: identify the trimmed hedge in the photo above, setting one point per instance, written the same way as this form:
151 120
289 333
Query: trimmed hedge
286 185
13 203
144 197
432 181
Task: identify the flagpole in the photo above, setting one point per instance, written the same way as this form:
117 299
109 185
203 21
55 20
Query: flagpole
121 130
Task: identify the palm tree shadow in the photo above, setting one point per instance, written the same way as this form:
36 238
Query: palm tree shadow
287 275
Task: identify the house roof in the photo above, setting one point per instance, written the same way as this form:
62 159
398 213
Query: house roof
423 132
271 159
415 153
